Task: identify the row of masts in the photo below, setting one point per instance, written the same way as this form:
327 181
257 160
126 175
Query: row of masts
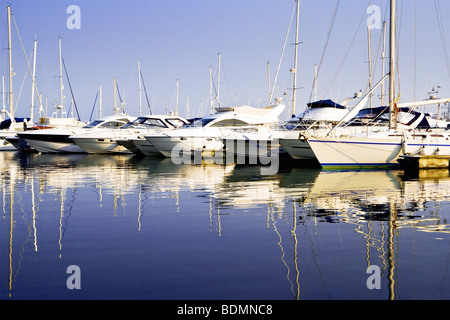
60 103
214 100
217 96
392 118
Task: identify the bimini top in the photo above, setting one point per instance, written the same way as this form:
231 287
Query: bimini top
325 104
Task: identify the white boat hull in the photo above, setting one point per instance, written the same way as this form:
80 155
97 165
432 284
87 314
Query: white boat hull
360 152
54 147
167 145
99 145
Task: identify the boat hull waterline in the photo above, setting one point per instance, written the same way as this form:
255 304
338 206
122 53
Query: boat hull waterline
350 153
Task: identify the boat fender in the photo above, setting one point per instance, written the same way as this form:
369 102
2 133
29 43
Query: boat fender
404 147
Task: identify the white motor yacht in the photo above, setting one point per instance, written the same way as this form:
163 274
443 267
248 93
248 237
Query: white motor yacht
130 137
319 114
57 140
204 134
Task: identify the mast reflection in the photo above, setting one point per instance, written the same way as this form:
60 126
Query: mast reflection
296 202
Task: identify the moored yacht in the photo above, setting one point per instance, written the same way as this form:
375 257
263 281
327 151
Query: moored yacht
57 140
320 114
382 147
130 137
9 128
296 145
378 147
204 134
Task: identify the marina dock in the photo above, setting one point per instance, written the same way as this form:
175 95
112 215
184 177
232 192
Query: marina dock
420 162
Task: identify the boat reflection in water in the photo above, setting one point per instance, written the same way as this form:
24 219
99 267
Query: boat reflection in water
144 228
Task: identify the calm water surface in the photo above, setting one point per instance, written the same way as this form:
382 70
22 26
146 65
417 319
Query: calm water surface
144 228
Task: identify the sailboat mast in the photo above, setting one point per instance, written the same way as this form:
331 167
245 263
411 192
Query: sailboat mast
3 92
268 79
392 119
383 59
33 81
176 106
61 88
369 50
115 94
11 102
140 87
218 82
211 103
294 89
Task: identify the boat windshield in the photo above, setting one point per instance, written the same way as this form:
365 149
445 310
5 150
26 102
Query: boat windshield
202 122
176 122
144 123
93 124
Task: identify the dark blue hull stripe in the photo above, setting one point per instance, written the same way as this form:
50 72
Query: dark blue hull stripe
383 144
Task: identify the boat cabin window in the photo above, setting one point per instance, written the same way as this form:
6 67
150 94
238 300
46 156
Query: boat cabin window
230 123
112 124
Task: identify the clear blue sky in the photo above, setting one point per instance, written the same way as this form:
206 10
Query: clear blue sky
181 39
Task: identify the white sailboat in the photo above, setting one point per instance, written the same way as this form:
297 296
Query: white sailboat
368 120
380 147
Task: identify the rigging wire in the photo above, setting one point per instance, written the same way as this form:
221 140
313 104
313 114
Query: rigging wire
93 107
122 103
26 58
348 50
129 84
442 34
145 91
304 28
70 87
226 80
374 60
281 58
330 29
20 92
